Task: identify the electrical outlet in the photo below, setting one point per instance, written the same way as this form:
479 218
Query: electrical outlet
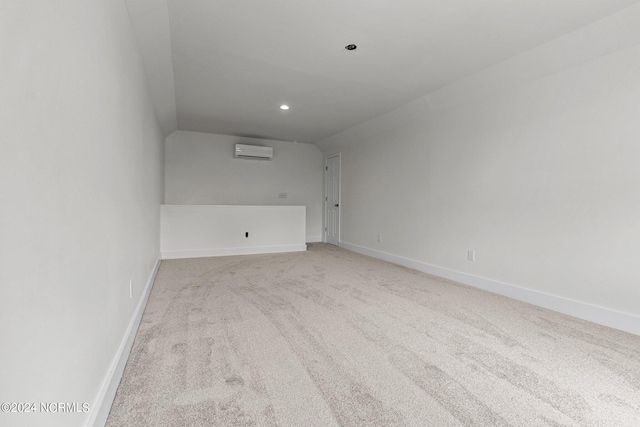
471 255
282 195
379 237
130 288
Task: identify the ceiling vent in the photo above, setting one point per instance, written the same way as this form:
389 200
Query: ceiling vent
254 152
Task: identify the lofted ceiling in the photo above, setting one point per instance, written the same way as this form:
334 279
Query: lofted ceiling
225 66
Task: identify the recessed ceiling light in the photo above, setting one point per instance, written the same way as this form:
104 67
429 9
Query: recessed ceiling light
351 47
284 107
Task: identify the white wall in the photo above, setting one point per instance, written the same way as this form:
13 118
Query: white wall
200 169
532 163
190 231
80 192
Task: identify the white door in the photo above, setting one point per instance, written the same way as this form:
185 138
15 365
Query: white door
332 200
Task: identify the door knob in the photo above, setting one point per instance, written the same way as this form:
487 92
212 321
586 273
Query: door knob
337 205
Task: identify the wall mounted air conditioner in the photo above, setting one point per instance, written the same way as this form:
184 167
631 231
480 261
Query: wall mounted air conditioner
255 152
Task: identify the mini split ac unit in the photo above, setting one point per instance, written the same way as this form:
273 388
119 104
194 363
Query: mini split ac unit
255 152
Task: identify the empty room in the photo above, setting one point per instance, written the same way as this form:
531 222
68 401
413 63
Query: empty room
287 213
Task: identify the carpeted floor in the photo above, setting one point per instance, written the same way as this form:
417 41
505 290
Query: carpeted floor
329 337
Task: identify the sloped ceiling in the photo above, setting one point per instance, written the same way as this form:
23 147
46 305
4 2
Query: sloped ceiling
225 66
150 21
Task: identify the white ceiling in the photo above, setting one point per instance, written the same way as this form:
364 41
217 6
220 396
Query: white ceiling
225 66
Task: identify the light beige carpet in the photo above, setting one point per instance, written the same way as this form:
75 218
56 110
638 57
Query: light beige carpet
328 337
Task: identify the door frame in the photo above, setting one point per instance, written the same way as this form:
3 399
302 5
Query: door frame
325 201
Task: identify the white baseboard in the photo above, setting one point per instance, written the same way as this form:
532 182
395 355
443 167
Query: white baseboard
110 385
602 315
249 250
314 239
